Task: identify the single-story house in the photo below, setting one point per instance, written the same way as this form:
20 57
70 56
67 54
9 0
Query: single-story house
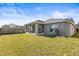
58 27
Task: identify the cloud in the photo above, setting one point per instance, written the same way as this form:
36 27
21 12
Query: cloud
38 8
20 11
69 13
14 15
21 16
12 12
59 15
72 13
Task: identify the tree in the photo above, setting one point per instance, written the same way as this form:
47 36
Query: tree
77 27
78 24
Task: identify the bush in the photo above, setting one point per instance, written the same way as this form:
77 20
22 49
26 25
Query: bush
76 35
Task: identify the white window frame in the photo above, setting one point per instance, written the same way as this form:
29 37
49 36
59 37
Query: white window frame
54 26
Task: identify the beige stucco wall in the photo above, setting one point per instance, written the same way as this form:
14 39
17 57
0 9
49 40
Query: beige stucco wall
47 29
65 29
72 29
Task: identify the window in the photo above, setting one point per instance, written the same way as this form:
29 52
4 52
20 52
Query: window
51 30
53 26
31 28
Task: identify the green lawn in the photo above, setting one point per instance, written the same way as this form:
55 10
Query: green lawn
29 45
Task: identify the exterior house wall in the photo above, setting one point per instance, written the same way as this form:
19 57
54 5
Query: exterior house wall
47 29
72 29
65 29
36 29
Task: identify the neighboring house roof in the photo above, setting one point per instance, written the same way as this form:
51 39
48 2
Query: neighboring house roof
12 25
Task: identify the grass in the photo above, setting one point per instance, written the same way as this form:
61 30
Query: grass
32 45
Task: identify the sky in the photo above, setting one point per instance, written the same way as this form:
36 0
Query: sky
23 13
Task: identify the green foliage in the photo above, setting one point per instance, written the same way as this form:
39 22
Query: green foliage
76 35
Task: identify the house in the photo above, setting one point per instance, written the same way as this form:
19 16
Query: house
12 29
57 27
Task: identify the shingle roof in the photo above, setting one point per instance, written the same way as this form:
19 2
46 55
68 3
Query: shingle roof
54 20
37 22
49 21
